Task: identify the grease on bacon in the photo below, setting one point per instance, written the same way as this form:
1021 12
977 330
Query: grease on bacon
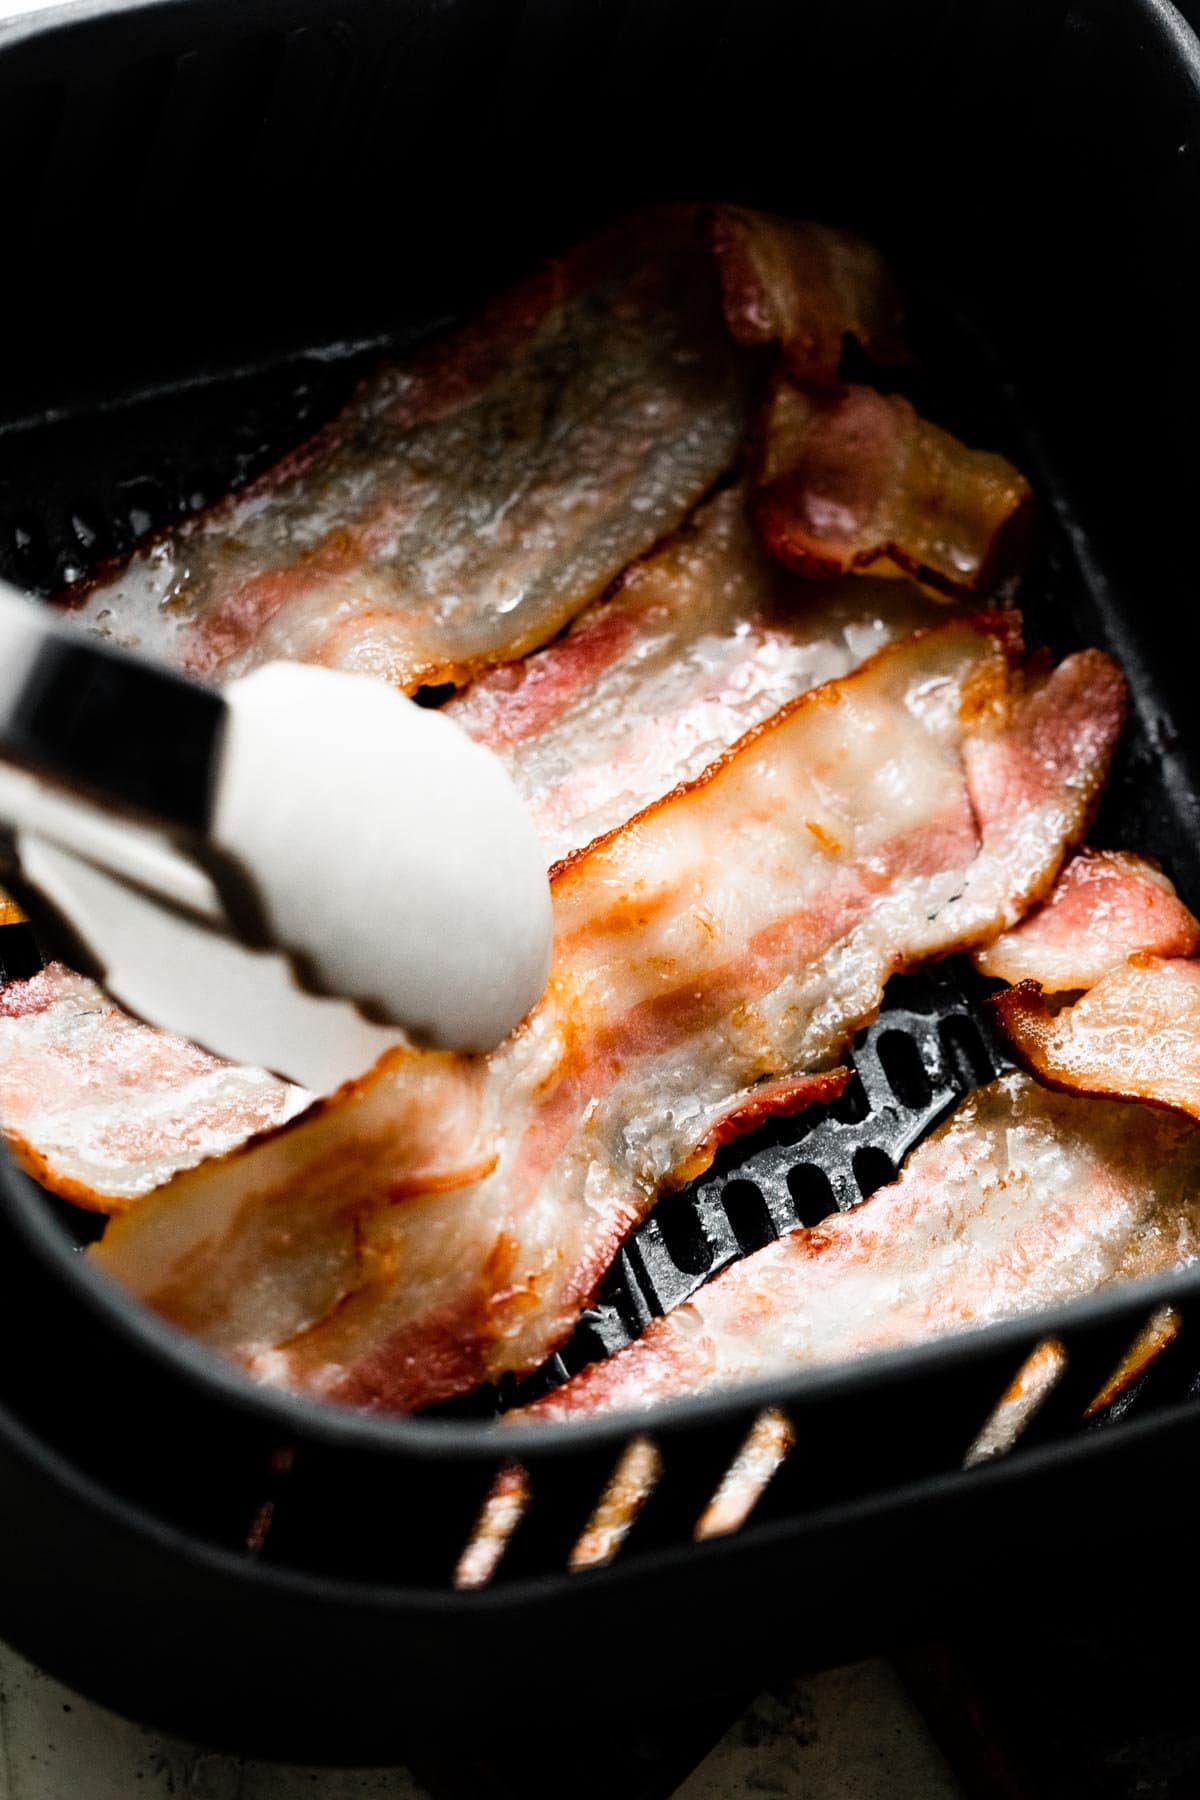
1134 1035
1107 906
1114 927
446 1219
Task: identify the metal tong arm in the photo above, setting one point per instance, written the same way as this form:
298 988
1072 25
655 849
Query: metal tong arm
88 732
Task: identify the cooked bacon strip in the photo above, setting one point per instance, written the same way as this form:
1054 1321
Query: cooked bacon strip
807 287
1135 1035
1022 1200
1105 907
469 501
702 640
101 1109
858 480
447 1218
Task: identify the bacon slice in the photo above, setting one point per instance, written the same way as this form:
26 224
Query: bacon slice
1022 1200
705 638
1106 907
470 501
858 480
1135 1035
101 1109
807 287
447 1218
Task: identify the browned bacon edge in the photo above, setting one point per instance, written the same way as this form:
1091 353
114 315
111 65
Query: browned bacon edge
774 1100
449 1346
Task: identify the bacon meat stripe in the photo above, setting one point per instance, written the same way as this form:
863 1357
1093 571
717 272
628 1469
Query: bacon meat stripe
446 1219
1022 1200
704 638
101 1108
858 480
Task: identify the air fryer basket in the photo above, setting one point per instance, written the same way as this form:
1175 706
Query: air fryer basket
217 222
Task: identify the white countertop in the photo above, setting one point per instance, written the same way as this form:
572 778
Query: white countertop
851 1734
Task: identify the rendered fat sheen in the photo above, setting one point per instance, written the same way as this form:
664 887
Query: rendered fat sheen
1107 906
1023 1198
447 1218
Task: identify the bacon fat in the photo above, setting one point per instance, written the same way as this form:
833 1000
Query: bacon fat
1135 1035
706 637
1106 907
806 287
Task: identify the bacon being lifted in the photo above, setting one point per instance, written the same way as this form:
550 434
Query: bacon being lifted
446 1219
1022 1200
101 1108
858 480
807 287
1106 907
470 501
705 638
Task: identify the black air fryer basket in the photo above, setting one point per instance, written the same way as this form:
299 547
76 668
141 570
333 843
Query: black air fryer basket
214 216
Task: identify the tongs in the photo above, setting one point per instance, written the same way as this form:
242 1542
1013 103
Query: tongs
300 870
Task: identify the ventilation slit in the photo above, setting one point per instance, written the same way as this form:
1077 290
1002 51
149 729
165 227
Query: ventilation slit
812 1193
905 1072
749 1215
873 1168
